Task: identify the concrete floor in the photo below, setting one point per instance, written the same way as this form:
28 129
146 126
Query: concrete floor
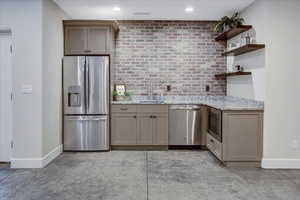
132 175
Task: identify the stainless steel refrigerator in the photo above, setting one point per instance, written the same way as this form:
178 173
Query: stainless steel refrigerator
86 103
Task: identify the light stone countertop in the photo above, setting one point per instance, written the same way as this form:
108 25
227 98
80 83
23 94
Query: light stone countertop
219 102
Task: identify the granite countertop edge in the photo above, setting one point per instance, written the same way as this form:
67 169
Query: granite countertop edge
219 102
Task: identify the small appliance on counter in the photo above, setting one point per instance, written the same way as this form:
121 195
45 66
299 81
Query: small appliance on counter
86 103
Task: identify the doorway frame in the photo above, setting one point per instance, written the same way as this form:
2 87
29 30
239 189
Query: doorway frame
7 96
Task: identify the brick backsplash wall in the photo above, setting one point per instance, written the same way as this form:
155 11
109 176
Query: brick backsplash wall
178 53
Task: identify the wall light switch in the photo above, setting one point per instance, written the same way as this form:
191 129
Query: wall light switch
26 89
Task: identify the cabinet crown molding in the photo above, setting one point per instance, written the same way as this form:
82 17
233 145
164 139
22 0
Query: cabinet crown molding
113 23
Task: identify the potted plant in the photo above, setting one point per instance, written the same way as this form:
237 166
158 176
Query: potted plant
125 97
227 23
114 94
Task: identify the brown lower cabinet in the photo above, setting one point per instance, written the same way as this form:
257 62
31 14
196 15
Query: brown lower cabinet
139 125
145 129
124 129
242 139
160 130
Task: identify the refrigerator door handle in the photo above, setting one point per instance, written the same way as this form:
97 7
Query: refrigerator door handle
95 119
87 118
85 95
87 85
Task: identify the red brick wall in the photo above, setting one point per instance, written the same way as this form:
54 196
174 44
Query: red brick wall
177 53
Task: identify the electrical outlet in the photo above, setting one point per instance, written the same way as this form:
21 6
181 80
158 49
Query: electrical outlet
207 89
168 88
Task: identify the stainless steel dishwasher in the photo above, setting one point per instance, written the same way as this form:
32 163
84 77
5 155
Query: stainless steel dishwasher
184 125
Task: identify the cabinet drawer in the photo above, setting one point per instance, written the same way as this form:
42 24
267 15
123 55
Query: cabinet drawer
89 133
124 108
214 146
153 109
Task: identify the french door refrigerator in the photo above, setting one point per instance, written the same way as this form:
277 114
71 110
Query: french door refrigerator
86 103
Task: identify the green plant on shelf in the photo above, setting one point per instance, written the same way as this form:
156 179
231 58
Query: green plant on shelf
126 94
227 23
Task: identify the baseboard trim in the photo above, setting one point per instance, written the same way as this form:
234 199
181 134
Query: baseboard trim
281 163
36 162
52 155
140 147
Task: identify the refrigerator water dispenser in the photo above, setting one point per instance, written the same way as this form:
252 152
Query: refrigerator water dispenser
74 97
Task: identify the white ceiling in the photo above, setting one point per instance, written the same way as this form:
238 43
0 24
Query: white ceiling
156 9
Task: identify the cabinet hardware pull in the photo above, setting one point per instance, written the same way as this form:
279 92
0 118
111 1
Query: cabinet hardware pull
87 51
212 141
151 116
124 108
134 117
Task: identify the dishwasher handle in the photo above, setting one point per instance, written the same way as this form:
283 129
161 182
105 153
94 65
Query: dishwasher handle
185 107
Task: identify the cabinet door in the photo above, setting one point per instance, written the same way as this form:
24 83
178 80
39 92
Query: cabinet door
75 40
145 128
124 129
242 136
160 130
98 40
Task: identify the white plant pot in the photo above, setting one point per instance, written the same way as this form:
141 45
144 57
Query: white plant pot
123 98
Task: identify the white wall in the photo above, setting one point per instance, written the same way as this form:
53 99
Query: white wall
275 78
37 39
52 73
282 110
252 86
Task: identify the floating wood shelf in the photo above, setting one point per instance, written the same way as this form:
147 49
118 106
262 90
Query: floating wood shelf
244 49
224 75
232 32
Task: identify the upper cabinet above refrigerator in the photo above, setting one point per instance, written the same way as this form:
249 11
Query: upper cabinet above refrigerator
89 37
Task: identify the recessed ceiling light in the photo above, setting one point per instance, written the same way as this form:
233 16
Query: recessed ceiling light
189 9
116 8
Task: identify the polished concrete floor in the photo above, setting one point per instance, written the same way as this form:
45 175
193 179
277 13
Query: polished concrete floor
153 175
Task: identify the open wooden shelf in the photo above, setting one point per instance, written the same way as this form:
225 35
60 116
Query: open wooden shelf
244 49
224 75
233 32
